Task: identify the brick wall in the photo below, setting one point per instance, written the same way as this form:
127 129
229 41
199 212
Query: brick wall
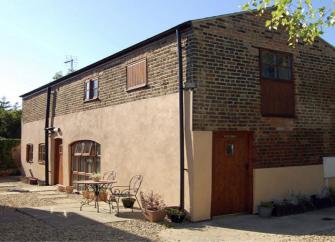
68 97
226 68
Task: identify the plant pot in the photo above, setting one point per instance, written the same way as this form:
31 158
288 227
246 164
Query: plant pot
103 196
69 189
96 179
265 212
61 188
128 202
154 216
88 194
176 217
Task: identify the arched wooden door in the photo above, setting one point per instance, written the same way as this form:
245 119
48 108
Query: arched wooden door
58 168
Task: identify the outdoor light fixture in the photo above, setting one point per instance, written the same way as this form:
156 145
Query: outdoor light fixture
52 130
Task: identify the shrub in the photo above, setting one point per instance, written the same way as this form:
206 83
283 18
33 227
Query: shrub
152 201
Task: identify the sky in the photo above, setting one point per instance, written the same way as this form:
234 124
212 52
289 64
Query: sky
36 36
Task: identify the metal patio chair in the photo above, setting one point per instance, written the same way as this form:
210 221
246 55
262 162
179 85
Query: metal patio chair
109 175
131 190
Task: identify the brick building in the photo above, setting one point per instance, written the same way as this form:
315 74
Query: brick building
257 121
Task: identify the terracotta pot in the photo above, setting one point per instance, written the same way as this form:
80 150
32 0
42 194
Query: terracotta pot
61 188
69 189
88 194
154 216
96 179
103 196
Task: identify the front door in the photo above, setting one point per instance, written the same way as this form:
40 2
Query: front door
58 174
231 173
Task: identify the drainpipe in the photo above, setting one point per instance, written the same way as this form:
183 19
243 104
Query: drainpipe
181 117
46 142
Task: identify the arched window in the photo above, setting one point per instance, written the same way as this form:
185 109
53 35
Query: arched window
85 160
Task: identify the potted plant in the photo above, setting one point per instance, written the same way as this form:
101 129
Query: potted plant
175 214
265 209
153 206
128 202
69 189
103 195
95 176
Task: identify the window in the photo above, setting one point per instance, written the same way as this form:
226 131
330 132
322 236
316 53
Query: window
85 160
137 75
29 153
41 153
277 86
91 89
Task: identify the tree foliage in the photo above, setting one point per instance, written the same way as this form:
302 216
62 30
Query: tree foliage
302 21
10 119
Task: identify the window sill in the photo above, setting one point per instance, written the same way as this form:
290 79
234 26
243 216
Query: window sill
91 100
30 162
129 89
268 115
41 162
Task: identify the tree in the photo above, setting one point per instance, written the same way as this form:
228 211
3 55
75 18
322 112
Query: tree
302 21
10 119
57 75
4 104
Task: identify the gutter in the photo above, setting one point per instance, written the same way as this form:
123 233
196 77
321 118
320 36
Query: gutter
181 119
46 137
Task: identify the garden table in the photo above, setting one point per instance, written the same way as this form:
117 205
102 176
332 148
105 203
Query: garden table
96 187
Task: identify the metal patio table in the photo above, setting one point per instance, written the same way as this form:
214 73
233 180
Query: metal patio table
96 187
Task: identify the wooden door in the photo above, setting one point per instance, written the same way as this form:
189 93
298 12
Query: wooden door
58 172
231 173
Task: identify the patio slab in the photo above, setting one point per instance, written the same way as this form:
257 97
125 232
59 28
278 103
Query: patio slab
9 193
55 214
52 196
47 193
254 228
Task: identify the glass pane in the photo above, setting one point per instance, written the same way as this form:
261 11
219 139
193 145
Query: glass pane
95 84
79 148
268 58
89 162
230 149
98 149
283 60
87 147
284 73
82 164
74 163
97 164
268 71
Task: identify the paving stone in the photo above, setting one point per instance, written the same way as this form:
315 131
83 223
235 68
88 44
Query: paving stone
48 193
51 196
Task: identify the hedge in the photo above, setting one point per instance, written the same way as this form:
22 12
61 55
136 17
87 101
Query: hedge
6 159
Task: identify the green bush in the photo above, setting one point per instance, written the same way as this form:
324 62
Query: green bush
6 160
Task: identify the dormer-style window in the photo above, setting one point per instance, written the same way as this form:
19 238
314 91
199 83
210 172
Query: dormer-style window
91 89
277 84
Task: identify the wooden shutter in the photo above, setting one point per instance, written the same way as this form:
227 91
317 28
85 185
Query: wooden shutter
137 75
278 98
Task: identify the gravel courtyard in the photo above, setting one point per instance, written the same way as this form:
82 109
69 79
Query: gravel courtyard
18 225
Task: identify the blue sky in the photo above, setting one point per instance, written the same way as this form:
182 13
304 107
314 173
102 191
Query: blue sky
37 35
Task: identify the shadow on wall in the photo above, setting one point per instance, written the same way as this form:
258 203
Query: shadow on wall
46 226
